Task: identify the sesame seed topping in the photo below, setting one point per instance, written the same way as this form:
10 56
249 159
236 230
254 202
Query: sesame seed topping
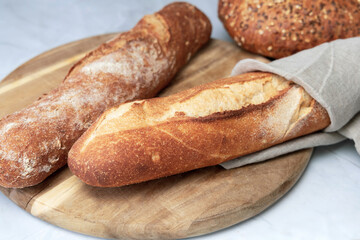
261 32
269 48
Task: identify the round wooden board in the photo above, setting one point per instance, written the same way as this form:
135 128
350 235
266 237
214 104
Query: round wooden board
184 205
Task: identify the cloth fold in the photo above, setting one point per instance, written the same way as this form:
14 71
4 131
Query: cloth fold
330 73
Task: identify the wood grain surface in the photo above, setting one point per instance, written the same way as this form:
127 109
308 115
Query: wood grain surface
189 204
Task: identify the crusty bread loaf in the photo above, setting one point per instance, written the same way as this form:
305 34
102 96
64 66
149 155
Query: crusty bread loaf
34 142
281 28
199 127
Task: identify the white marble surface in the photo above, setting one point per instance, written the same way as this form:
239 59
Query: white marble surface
324 204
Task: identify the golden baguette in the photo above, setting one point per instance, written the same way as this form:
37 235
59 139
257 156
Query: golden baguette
199 127
35 141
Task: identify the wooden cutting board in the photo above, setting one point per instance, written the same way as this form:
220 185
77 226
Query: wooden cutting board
188 204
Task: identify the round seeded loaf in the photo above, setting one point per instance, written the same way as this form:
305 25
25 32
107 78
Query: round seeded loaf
279 28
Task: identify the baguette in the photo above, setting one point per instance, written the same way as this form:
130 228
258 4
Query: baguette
278 29
35 141
199 127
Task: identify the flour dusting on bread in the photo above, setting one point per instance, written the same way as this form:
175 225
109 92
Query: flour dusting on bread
138 63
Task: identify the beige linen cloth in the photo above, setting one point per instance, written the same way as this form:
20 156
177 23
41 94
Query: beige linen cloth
330 73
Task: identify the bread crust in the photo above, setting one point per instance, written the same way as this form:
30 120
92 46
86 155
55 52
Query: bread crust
278 29
34 142
140 141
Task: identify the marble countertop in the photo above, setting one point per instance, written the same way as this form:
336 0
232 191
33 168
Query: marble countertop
324 204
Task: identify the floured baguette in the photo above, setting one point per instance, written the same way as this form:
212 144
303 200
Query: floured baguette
35 141
199 127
